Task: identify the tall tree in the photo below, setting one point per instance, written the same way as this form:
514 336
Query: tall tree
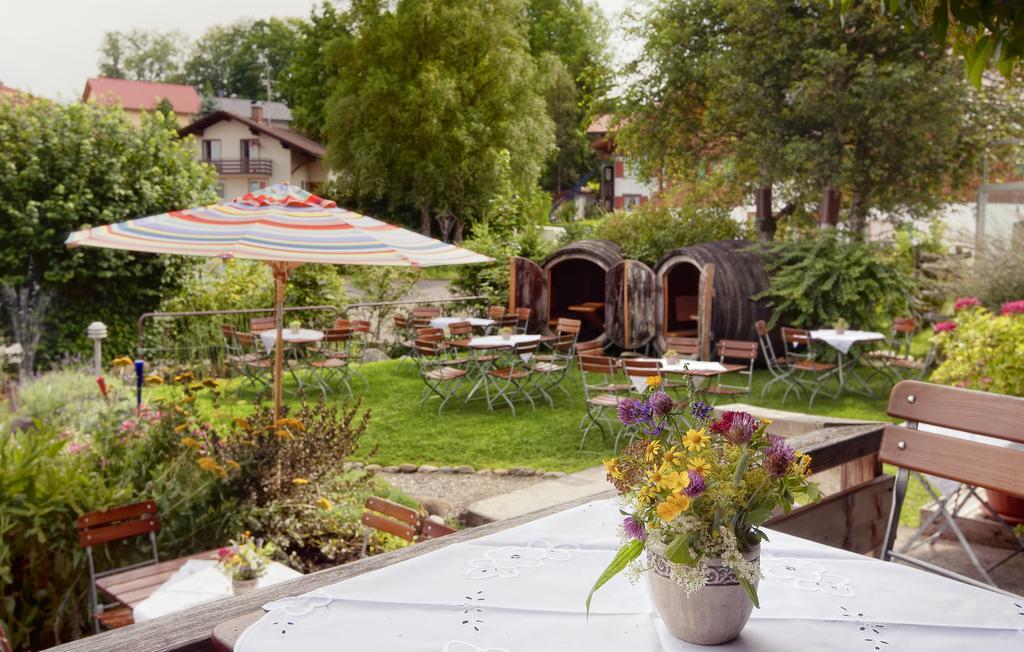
751 94
140 54
427 97
312 69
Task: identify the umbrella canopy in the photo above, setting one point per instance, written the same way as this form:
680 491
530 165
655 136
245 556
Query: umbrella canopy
280 223
283 226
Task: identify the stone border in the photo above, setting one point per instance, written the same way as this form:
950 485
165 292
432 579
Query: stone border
465 469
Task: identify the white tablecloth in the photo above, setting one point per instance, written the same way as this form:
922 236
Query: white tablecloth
196 582
523 590
269 338
497 341
445 322
843 342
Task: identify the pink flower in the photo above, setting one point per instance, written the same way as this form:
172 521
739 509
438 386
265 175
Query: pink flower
75 448
966 302
944 326
1012 307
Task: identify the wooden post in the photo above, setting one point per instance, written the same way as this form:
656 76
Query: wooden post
511 284
625 307
704 307
280 278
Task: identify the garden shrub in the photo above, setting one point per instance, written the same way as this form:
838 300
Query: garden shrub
491 279
816 281
648 232
984 351
998 274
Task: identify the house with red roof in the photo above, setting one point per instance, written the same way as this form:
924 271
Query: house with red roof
138 97
621 188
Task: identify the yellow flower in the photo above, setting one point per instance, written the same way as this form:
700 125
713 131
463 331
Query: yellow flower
210 382
323 503
611 466
184 377
656 479
187 399
300 481
180 427
673 506
673 456
694 440
653 381
210 464
123 361
243 424
195 387
190 442
653 450
675 480
233 464
699 465
153 379
803 462
646 495
289 422
284 434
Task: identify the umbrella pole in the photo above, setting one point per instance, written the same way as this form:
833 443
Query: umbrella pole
280 278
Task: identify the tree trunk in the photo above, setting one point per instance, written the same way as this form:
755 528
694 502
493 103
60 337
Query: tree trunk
424 220
765 221
457 231
858 215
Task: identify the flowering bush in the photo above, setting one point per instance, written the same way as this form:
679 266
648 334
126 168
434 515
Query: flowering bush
247 559
983 351
704 491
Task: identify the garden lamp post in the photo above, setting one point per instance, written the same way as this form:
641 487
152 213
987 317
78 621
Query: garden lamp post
97 332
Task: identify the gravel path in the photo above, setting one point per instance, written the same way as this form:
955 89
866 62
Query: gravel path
449 494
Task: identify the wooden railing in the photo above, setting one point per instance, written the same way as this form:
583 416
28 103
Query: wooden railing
257 166
854 518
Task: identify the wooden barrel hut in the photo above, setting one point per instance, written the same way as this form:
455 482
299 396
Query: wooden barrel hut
706 291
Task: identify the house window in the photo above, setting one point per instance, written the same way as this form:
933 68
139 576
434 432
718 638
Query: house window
211 150
256 184
629 202
250 149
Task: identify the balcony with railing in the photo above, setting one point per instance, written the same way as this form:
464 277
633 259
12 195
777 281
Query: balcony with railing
250 166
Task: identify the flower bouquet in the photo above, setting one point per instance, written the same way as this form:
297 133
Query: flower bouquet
671 357
505 332
245 562
295 325
695 492
840 325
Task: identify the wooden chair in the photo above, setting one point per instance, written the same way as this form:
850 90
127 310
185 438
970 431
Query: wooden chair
333 361
969 459
253 361
734 350
593 347
496 312
432 530
778 366
552 369
260 324
440 377
117 524
403 522
688 348
360 341
567 325
601 391
423 315
807 372
895 360
523 320
514 379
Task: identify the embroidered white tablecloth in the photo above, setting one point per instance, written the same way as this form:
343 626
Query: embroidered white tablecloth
199 581
523 590
269 338
844 341
445 322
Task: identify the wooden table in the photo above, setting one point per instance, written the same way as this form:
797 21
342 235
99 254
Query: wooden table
133 586
590 311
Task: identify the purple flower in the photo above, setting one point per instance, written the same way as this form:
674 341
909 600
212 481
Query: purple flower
633 411
634 528
662 403
696 486
700 410
778 458
737 427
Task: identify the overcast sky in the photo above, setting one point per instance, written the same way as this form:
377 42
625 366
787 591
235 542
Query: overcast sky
50 47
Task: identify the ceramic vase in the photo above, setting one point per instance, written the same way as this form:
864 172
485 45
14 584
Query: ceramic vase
711 615
238 587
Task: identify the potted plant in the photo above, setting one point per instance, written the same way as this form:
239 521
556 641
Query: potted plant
245 562
840 326
695 499
295 325
671 357
505 332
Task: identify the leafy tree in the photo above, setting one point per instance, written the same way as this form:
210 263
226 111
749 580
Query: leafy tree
140 54
649 232
239 59
794 96
312 69
66 167
427 96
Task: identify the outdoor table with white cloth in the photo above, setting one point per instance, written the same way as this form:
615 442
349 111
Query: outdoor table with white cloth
698 368
489 343
199 581
848 346
524 589
476 322
302 336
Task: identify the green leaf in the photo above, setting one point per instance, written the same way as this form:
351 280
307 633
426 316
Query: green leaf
679 550
626 554
940 21
977 59
741 466
750 589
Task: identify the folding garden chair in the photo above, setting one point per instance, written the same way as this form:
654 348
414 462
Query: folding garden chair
895 360
260 324
423 315
593 347
551 372
513 379
601 392
985 452
460 330
383 515
687 348
807 372
253 361
360 341
778 366
440 377
523 320
734 350
333 361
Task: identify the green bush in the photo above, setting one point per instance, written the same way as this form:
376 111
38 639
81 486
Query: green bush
998 274
984 352
816 281
648 232
491 279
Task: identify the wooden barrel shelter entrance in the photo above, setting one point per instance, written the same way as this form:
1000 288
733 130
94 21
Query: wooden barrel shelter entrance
705 292
576 279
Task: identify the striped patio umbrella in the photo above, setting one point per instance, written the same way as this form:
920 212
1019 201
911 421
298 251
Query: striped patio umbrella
283 226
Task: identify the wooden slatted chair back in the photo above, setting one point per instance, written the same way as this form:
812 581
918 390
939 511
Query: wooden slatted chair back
564 343
460 329
247 340
641 368
796 337
401 322
737 350
428 346
386 516
682 345
429 333
342 323
524 348
433 530
592 347
506 321
118 523
524 314
258 324
496 312
228 330
904 325
971 462
598 364
361 326
566 325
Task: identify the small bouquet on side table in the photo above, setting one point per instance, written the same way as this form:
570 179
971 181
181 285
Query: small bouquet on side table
245 562
695 499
